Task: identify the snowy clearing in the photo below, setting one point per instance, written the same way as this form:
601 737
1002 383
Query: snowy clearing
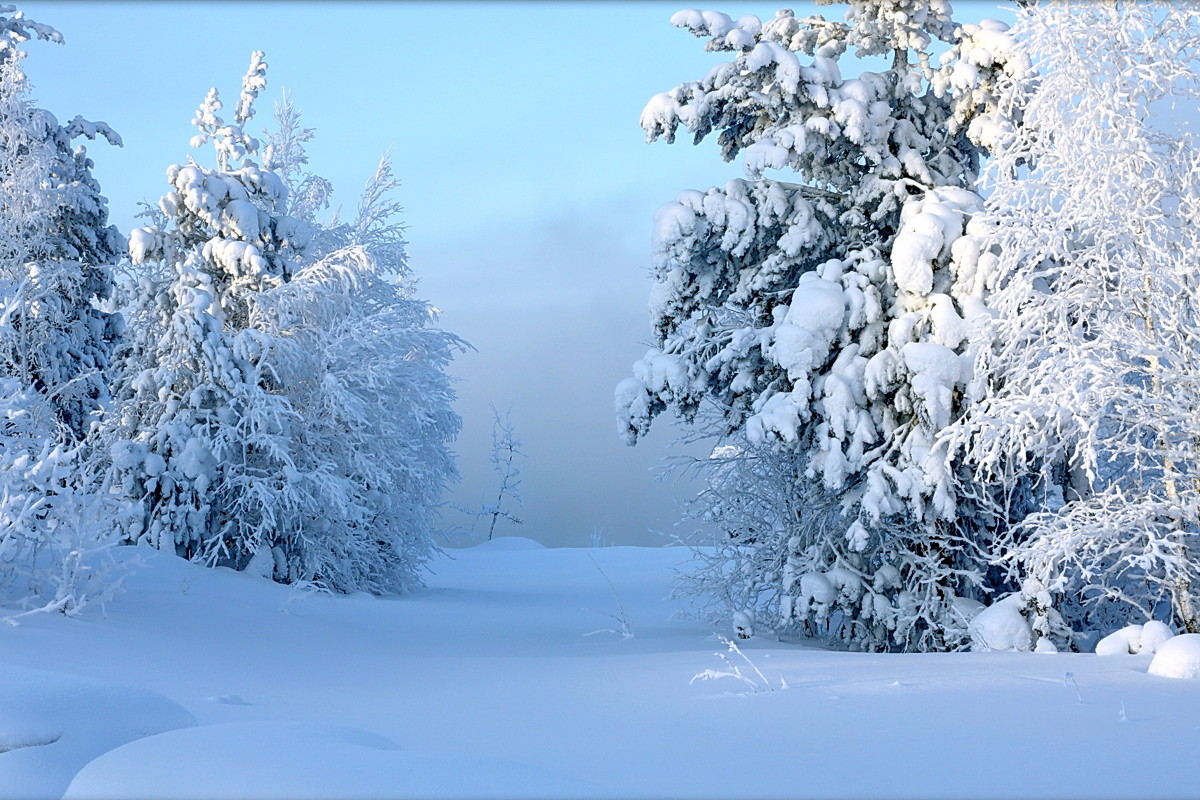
211 683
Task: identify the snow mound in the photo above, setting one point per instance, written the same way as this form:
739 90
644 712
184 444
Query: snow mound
298 760
52 724
507 544
1133 639
1001 626
1124 642
1178 657
1154 633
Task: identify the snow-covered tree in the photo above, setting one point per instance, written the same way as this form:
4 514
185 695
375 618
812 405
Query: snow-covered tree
56 250
364 370
1087 403
283 406
201 435
824 318
56 247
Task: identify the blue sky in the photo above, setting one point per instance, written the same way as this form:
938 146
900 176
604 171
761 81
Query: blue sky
527 185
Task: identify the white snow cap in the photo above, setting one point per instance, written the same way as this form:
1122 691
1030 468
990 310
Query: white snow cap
1001 626
1134 639
1178 657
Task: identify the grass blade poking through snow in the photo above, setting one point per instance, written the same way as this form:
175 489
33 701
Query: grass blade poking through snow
621 617
757 682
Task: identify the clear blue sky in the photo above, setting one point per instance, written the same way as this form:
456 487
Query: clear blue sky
527 185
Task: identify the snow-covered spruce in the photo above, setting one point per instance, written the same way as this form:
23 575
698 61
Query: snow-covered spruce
279 412
56 252
824 320
1084 410
200 435
56 247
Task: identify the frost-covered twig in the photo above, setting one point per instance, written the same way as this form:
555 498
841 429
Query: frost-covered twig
757 682
303 591
505 449
622 619
1069 681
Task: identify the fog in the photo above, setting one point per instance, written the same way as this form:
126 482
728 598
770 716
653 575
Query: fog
551 346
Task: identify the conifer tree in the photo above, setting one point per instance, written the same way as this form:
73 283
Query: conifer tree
201 435
56 253
823 320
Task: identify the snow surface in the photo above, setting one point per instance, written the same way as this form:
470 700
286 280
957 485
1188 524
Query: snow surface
210 683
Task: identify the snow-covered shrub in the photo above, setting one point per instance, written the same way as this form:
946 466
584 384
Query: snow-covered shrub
1002 626
1134 639
1087 378
55 523
824 320
1178 657
363 367
1154 633
1125 642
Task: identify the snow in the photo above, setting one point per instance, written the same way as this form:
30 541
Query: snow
1001 626
1134 639
812 322
298 760
1178 657
216 684
52 724
1154 633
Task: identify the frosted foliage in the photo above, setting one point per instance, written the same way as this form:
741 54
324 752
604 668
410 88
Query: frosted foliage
825 320
56 248
230 140
1087 387
284 407
16 29
55 523
200 433
285 154
364 368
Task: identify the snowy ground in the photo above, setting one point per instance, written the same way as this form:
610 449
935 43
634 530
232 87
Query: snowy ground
210 684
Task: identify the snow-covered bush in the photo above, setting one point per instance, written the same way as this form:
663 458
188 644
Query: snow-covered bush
824 320
1177 658
363 367
55 523
1002 626
1134 639
1084 408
